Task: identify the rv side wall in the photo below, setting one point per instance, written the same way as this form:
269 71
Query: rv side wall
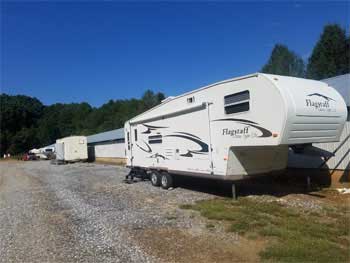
177 143
235 128
197 141
260 126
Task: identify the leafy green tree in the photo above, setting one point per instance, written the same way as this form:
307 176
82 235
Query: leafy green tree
26 123
150 99
330 56
19 111
24 140
284 62
18 115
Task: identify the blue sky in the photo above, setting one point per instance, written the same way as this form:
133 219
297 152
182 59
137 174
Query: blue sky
96 51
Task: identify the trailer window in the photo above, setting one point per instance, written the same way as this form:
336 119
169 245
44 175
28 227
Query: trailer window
135 131
238 102
155 139
128 140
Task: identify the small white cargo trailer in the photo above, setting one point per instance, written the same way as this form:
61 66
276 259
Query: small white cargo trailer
71 149
233 129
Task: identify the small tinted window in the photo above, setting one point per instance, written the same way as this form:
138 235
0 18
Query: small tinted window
128 140
155 139
237 97
237 108
238 102
135 131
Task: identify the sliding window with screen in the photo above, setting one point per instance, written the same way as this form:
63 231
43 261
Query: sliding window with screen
237 102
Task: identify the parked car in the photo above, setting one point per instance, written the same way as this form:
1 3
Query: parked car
30 157
41 156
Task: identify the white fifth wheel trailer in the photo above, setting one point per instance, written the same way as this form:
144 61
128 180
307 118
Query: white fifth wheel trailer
233 129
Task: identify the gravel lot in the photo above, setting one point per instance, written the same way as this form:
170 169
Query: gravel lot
84 212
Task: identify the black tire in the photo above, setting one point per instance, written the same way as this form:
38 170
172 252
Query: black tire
155 178
166 180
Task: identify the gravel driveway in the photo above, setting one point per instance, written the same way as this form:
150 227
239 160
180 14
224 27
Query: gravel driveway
84 212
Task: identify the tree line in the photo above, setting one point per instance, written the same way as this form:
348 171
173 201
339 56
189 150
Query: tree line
330 57
26 123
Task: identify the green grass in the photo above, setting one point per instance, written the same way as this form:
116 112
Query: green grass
292 236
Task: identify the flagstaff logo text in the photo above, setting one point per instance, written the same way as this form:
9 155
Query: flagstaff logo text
322 105
317 104
235 132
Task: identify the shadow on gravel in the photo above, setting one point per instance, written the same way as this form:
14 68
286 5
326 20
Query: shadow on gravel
209 186
275 185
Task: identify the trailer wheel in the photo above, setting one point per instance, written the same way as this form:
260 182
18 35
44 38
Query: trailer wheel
166 180
155 178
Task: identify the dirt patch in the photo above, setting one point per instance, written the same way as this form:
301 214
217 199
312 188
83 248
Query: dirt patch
111 161
58 219
176 245
332 196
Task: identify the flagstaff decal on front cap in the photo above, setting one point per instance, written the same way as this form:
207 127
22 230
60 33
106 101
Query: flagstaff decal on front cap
319 102
320 95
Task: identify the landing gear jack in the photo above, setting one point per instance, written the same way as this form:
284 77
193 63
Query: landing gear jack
308 183
129 178
234 193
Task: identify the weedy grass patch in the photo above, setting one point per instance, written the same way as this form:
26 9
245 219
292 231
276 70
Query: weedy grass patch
292 235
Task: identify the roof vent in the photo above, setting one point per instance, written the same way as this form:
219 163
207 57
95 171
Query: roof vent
190 100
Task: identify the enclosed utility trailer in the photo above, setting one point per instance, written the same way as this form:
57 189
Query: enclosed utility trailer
71 149
233 129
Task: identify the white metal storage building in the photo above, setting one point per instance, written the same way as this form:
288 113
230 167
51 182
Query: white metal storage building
107 146
341 150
